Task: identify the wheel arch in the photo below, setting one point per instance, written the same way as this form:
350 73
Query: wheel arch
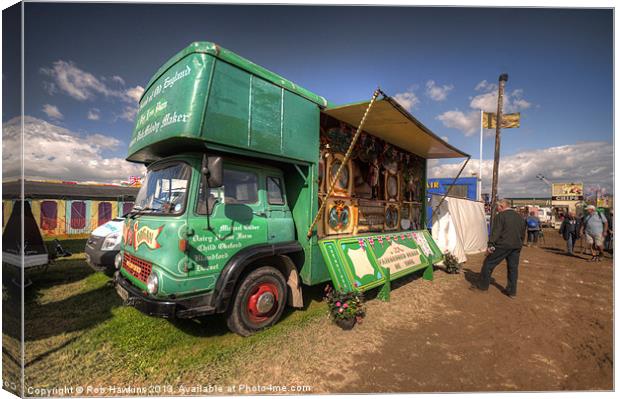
279 255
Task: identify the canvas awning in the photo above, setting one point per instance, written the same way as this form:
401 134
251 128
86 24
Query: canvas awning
389 121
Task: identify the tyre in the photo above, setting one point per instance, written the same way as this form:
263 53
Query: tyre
259 301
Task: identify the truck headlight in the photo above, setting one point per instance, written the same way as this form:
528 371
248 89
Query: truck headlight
112 242
152 284
118 260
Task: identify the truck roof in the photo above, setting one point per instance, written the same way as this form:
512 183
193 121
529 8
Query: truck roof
206 95
240 62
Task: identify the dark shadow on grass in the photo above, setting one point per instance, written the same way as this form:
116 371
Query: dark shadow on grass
59 272
51 351
206 326
75 313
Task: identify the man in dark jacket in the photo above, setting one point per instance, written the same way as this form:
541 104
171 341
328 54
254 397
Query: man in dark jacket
569 229
505 242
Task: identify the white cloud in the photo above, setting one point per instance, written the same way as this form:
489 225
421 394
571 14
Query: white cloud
75 82
102 141
587 162
485 86
468 123
407 99
54 152
129 113
93 114
81 85
52 111
436 92
118 79
135 93
487 101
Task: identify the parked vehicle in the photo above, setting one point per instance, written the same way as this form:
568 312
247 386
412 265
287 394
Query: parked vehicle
240 160
545 217
103 245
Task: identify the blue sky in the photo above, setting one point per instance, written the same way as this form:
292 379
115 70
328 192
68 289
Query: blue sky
433 59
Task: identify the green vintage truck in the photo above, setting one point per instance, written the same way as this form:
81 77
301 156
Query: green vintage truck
239 163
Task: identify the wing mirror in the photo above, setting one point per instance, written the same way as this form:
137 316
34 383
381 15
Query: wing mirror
211 168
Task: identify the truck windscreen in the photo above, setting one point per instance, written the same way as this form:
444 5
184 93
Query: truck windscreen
164 190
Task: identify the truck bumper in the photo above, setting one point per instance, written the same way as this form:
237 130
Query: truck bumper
185 308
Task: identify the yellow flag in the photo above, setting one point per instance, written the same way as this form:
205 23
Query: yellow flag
508 120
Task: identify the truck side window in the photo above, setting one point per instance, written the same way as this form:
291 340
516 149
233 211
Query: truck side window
274 191
240 187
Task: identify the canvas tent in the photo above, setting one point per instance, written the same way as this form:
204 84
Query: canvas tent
459 226
34 250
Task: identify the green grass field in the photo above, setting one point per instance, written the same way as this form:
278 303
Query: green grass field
78 333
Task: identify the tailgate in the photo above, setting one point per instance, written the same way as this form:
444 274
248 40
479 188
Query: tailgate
358 262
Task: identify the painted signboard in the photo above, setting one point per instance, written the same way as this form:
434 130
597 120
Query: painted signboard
360 263
567 192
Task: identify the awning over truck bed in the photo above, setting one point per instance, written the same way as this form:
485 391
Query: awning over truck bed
392 123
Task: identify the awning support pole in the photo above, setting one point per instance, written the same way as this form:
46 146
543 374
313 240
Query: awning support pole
450 187
344 161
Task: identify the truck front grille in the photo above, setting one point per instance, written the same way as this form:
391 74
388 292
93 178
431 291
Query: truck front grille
137 267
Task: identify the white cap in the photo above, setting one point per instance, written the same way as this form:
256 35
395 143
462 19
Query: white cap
591 207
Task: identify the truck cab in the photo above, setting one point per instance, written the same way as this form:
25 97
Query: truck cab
185 228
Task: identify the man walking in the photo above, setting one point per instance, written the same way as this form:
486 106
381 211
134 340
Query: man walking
505 242
595 227
569 230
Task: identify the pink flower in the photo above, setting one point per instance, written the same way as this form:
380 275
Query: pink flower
346 305
340 310
338 304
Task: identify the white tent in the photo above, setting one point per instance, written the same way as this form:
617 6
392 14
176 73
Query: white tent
459 226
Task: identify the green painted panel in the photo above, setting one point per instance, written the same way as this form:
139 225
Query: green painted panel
300 127
337 268
359 262
228 108
266 121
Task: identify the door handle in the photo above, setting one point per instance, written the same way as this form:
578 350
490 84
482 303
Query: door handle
260 213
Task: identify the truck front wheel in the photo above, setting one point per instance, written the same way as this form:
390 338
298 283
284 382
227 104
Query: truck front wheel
259 301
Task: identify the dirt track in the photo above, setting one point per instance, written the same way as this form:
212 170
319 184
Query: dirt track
440 336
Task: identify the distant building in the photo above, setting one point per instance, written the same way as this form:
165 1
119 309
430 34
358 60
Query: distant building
463 187
68 209
539 202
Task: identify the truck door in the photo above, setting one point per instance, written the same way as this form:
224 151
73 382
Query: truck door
280 225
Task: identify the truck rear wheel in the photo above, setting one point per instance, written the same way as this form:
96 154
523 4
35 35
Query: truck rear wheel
259 301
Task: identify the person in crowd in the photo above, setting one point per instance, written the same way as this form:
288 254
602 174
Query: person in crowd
505 242
533 228
609 240
595 227
569 230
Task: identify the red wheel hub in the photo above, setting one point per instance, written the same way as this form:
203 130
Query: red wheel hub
262 302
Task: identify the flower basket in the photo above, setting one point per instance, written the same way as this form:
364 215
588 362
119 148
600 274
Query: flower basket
345 308
451 263
346 324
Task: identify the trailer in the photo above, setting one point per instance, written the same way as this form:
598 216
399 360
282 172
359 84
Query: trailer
257 187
